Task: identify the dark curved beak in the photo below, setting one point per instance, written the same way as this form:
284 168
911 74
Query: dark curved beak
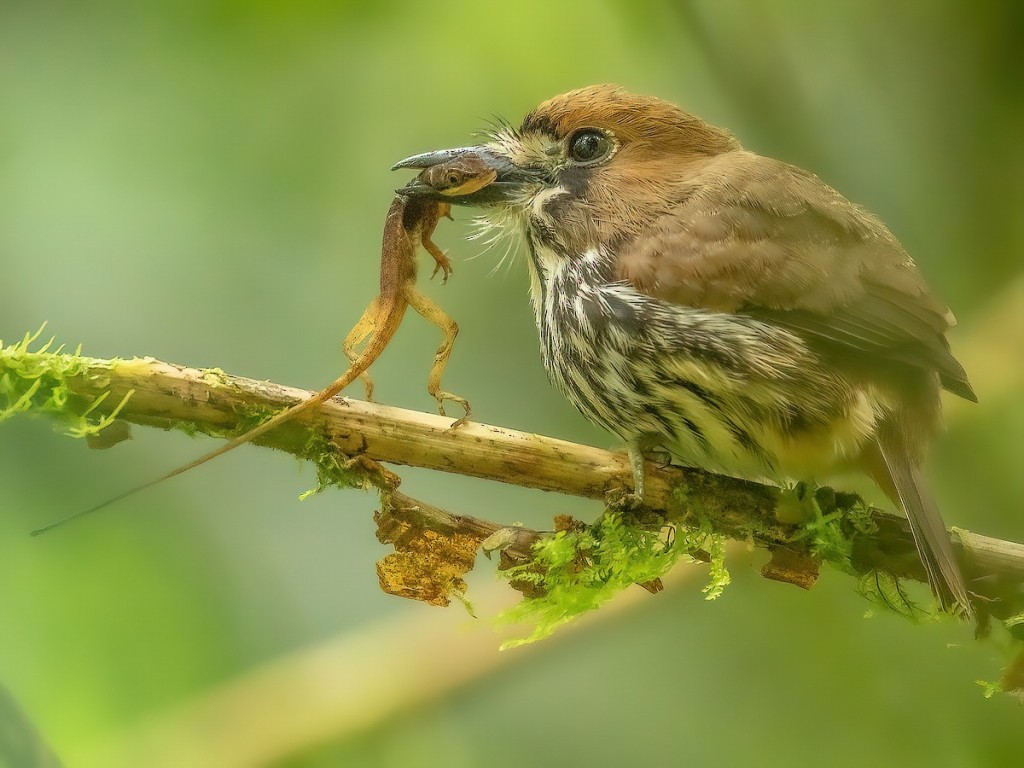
508 182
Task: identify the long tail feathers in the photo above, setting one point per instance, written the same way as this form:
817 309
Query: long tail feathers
900 477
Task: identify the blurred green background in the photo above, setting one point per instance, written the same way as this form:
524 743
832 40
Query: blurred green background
205 182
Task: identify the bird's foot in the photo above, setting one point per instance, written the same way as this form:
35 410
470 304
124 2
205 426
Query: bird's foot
660 455
623 500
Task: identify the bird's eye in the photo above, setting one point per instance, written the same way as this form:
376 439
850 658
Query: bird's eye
589 145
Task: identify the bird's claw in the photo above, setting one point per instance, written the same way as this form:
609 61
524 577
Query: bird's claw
624 501
660 456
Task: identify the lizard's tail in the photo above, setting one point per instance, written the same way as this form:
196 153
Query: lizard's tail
261 429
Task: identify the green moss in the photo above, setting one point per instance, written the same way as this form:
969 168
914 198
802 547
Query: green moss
188 427
215 377
576 571
249 417
861 518
886 591
989 689
36 383
826 522
333 469
718 575
823 531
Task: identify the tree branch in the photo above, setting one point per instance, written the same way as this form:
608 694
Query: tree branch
214 403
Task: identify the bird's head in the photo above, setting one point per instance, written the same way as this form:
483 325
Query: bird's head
595 164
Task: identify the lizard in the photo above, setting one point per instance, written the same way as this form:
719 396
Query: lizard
410 223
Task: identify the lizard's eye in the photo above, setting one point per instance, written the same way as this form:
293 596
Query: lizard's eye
589 146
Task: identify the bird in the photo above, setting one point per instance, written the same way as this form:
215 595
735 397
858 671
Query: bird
734 308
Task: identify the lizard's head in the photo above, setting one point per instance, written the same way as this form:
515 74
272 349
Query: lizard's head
455 177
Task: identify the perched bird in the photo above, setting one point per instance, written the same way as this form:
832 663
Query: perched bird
731 307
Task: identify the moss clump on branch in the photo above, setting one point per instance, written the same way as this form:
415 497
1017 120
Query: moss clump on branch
579 568
37 383
333 468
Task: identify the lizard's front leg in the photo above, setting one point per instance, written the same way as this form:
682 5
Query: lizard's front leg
441 261
432 312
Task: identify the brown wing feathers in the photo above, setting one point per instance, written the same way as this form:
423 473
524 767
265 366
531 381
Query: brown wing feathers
807 260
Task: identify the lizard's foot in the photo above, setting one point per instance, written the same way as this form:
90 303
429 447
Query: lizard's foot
442 396
367 386
442 263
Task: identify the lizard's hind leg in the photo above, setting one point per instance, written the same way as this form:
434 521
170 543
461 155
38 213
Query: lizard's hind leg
366 325
432 312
